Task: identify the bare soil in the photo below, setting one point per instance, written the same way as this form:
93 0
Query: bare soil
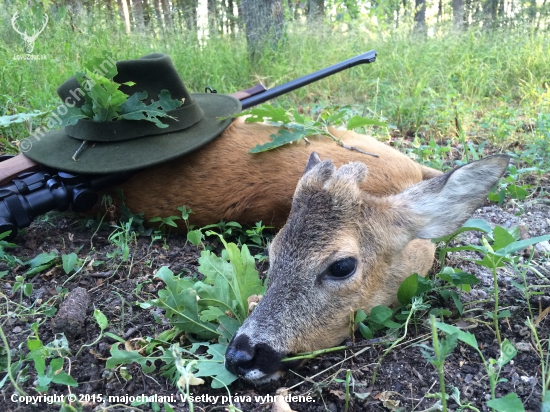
404 380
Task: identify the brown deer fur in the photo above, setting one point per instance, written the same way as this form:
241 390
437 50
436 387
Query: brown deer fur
224 181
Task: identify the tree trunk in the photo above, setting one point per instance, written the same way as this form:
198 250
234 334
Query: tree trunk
230 17
458 14
420 15
78 8
490 9
146 12
540 16
188 10
109 4
212 15
316 10
467 13
264 21
167 13
533 10
125 15
137 14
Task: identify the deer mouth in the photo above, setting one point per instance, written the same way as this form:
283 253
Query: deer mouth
260 377
256 363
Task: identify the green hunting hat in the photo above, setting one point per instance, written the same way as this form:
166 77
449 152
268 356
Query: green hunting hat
125 145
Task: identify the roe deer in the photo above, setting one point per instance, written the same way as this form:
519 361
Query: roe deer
344 248
223 180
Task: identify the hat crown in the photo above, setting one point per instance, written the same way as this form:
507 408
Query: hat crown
127 143
151 73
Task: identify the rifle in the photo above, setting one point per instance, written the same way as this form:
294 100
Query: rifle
29 190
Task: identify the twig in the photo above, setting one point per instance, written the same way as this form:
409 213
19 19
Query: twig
79 150
345 146
315 353
424 397
101 274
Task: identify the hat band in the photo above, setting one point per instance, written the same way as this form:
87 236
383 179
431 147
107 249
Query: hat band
119 130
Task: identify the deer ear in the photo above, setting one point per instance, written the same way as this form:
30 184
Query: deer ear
439 206
313 160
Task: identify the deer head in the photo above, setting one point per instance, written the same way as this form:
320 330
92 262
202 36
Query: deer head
29 40
342 250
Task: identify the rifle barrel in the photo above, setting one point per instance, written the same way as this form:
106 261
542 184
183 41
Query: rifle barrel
368 57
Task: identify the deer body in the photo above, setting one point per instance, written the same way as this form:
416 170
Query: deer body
224 181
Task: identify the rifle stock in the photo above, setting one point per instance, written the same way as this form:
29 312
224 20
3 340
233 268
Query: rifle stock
13 167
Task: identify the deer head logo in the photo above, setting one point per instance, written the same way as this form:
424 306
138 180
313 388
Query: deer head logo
29 40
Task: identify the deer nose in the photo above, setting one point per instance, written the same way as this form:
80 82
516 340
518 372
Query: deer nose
239 356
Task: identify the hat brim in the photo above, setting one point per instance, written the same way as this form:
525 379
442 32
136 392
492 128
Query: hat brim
56 149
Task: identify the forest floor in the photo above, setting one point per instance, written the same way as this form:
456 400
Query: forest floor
405 379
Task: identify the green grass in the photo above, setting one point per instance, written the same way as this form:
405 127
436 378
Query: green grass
493 84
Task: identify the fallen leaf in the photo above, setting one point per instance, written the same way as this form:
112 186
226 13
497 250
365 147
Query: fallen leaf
387 402
463 324
182 382
253 301
542 315
362 395
280 404
340 394
97 355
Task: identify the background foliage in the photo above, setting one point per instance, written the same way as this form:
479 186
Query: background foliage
483 77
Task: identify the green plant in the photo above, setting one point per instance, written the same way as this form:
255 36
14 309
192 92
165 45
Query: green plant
57 351
228 283
544 361
455 395
234 231
379 318
213 308
228 230
165 221
8 120
256 234
24 287
509 185
528 290
10 260
103 101
493 367
348 380
102 322
495 256
122 237
12 369
41 262
295 126
415 306
431 154
436 355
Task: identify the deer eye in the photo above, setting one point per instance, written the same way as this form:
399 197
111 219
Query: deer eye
343 268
